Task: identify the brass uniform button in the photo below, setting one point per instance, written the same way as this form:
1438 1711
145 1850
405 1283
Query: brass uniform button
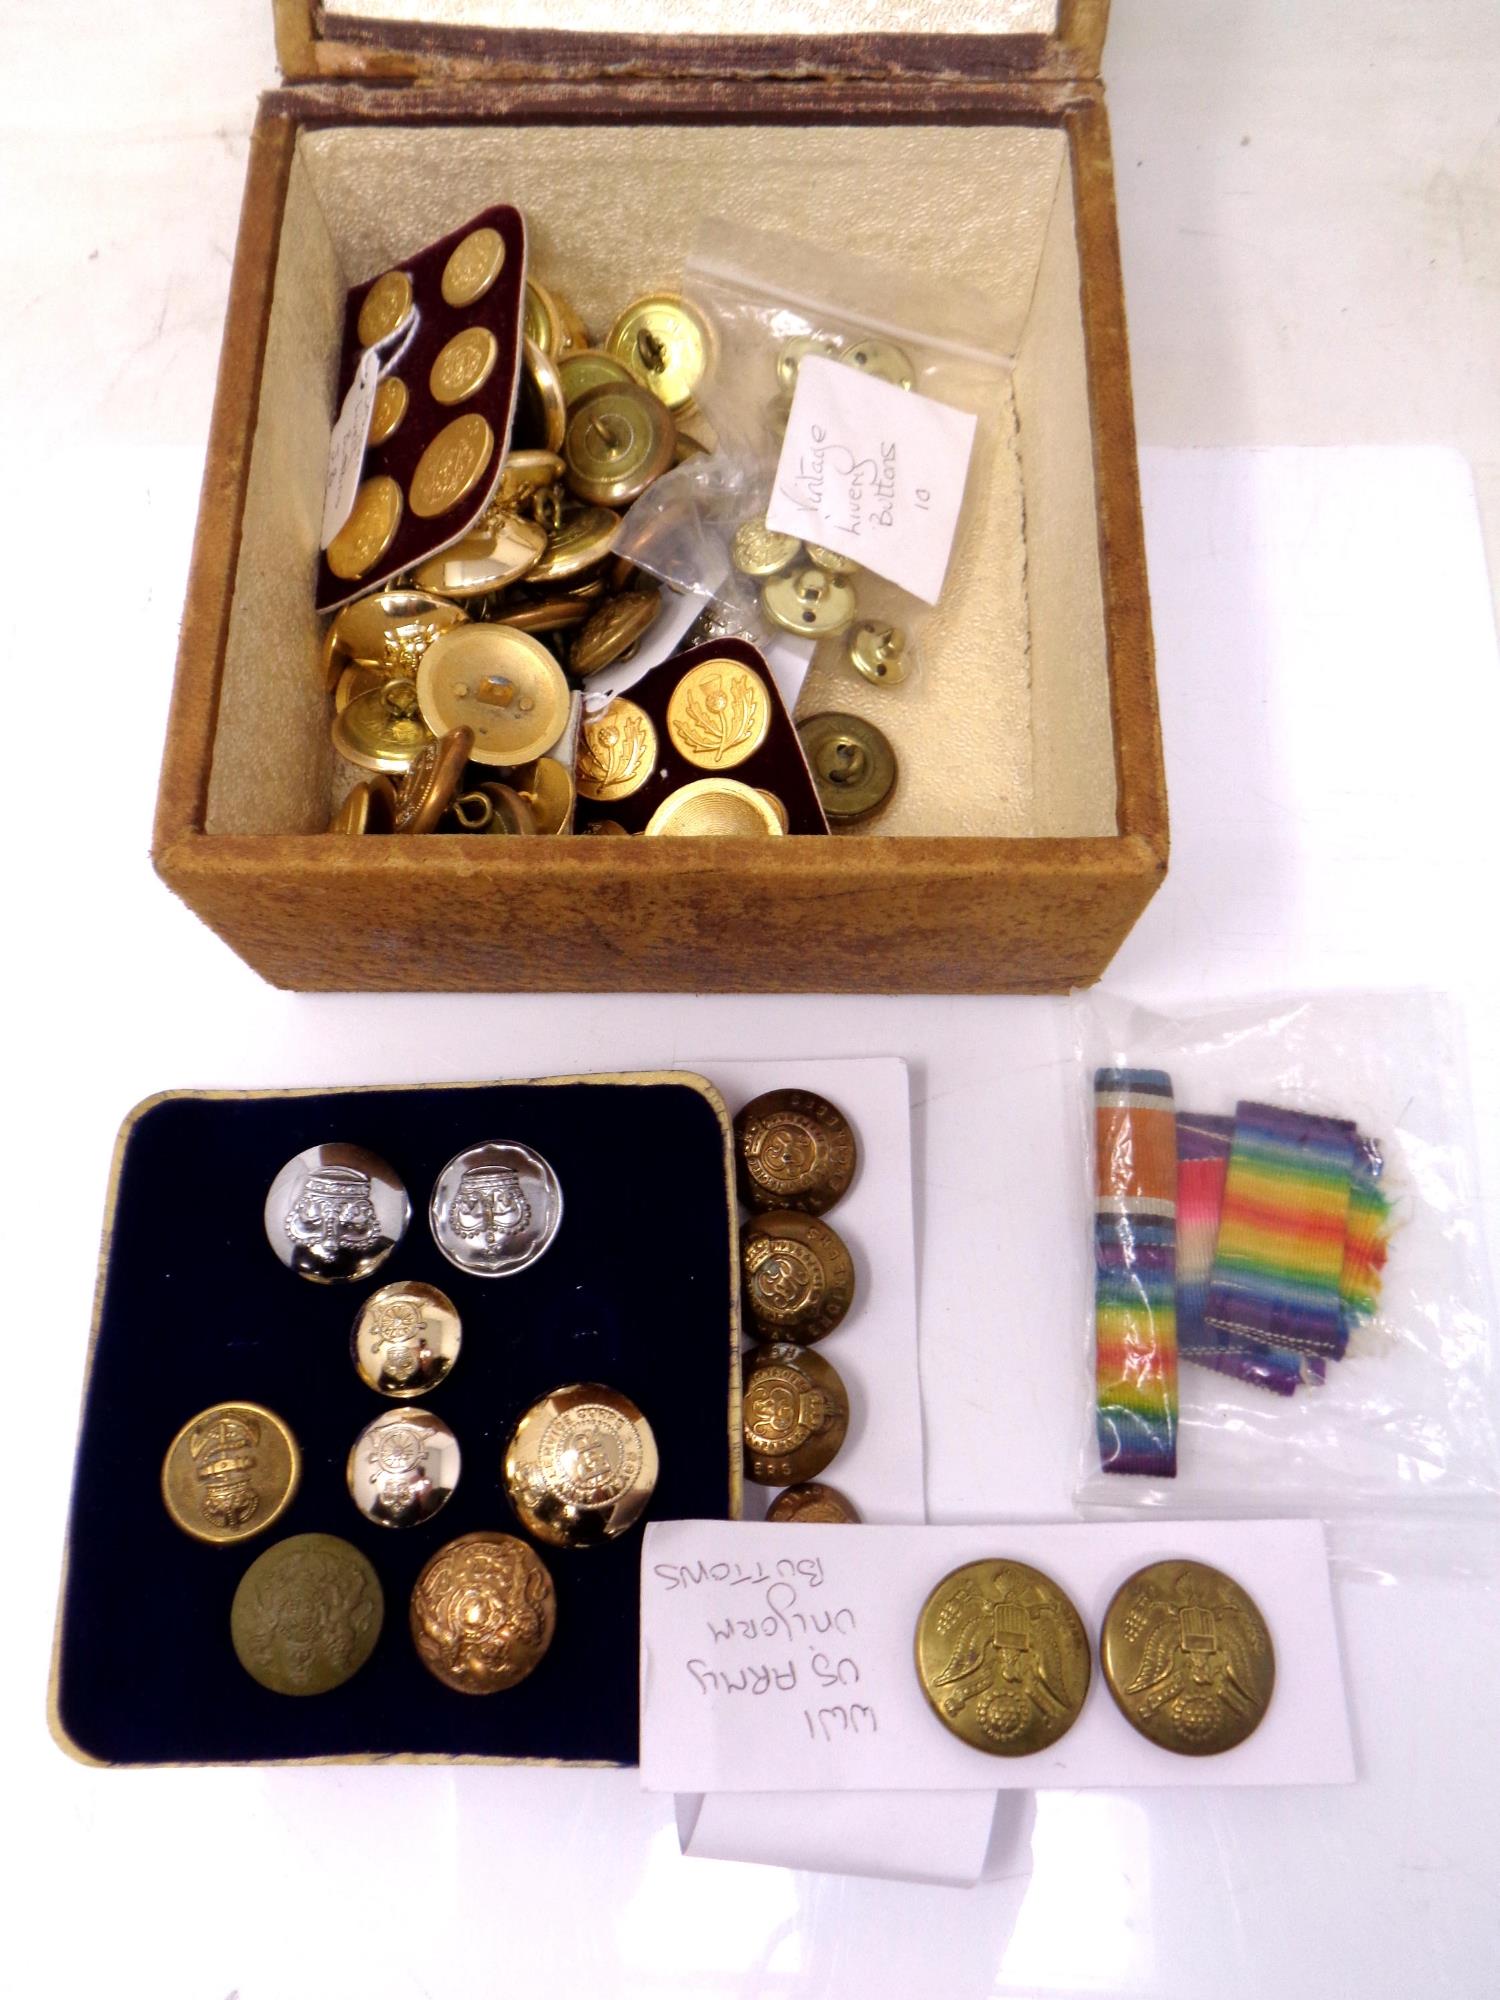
382 730
813 1505
463 365
541 321
590 368
335 1213
369 530
403 1468
430 782
807 602
494 808
524 474
230 1472
610 827
574 334
761 551
581 1466
719 714
1188 1658
452 466
495 1208
830 561
795 351
502 684
617 441
778 807
878 652
721 807
853 765
799 1276
500 552
306 1615
389 631
1003 1658
385 309
616 752
472 267
882 358
547 788
368 807
355 681
406 1339
391 400
614 630
794 1150
542 411
665 344
796 1414
544 614
483 1612
576 544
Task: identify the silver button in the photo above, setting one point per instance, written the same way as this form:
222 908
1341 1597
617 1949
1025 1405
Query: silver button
403 1468
336 1212
495 1208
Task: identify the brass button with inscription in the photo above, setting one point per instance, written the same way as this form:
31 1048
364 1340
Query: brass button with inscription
367 807
665 343
813 1505
879 653
463 365
429 783
230 1472
760 551
721 807
616 752
502 684
389 631
719 714
808 602
403 1468
406 1339
852 763
618 440
382 730
452 466
795 1150
798 1275
795 1412
500 551
385 308
391 401
1003 1658
306 1615
881 358
369 530
483 1611
472 267
613 630
1188 1658
581 1466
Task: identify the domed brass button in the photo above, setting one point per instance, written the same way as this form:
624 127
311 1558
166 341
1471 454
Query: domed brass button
472 267
543 614
382 730
794 1150
483 1612
830 561
541 322
853 766
502 684
778 807
795 351
430 782
577 542
353 682
1003 1658
1188 1658
463 365
493 808
614 629
879 653
542 408
335 1212
306 1615
808 602
719 714
616 752
796 1414
664 342
499 552
590 368
368 807
618 440
813 1505
452 466
574 334
369 530
230 1472
391 400
799 1276
495 1208
385 308
882 358
403 1468
715 806
548 790
524 475
609 827
391 630
406 1338
581 1466
761 551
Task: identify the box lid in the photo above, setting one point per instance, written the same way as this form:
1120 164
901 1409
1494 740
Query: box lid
456 40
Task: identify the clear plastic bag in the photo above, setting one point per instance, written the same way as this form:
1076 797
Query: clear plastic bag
1329 1334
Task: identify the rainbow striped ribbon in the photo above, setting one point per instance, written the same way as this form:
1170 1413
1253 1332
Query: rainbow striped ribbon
1135 1313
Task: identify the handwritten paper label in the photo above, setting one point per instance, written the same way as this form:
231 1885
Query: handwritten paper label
346 448
873 471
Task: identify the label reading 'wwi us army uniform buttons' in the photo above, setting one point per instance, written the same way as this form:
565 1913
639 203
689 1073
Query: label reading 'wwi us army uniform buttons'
406 1338
796 1414
403 1468
335 1212
483 1612
799 1276
1003 1658
306 1615
581 1466
495 1209
795 1150
230 1472
1188 1658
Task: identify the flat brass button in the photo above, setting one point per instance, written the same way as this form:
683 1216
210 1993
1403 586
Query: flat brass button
719 714
830 561
502 684
1003 1658
616 752
428 786
543 614
494 808
799 1276
463 365
721 807
391 401
335 1212
614 630
808 602
664 342
853 765
796 1414
230 1472
406 1339
813 1505
541 321
369 530
881 358
524 474
368 807
382 730
761 551
794 1150
792 353
548 789
452 466
483 1612
581 1466
306 1615
403 1468
495 1208
576 543
879 653
618 440
1188 1658
389 631
590 368
500 552
472 267
386 308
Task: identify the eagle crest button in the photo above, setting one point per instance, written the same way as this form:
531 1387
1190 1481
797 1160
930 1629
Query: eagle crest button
581 1466
495 1208
794 1150
1188 1658
306 1615
403 1468
230 1472
483 1612
798 1274
335 1212
795 1413
406 1339
1003 1658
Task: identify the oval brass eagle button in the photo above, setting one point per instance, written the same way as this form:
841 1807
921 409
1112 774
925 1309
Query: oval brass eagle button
760 551
406 1339
391 401
812 1504
1188 1658
452 466
798 1275
382 730
616 752
430 782
852 763
795 1412
385 308
879 654
721 807
403 1468
463 365
664 342
335 1212
808 602
581 1466
367 807
1003 1658
495 1208
719 714
483 1612
369 530
230 1472
881 358
618 440
499 682
472 267
794 1150
306 1615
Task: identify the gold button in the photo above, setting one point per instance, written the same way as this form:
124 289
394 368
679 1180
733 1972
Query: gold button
382 730
1003 1658
369 530
355 681
881 358
808 602
664 342
389 632
368 807
230 1472
541 321
306 1615
795 351
483 1612
830 561
778 807
618 440
547 788
590 368
616 752
761 551
502 684
524 474
501 550
403 1468
391 400
573 335
794 1150
452 466
813 1505
543 614
406 1339
463 365
1188 1658
581 1466
614 630
719 714
541 408
796 1414
853 766
799 1276
721 807
494 808
610 827
473 266
576 543
879 653
430 781
386 306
